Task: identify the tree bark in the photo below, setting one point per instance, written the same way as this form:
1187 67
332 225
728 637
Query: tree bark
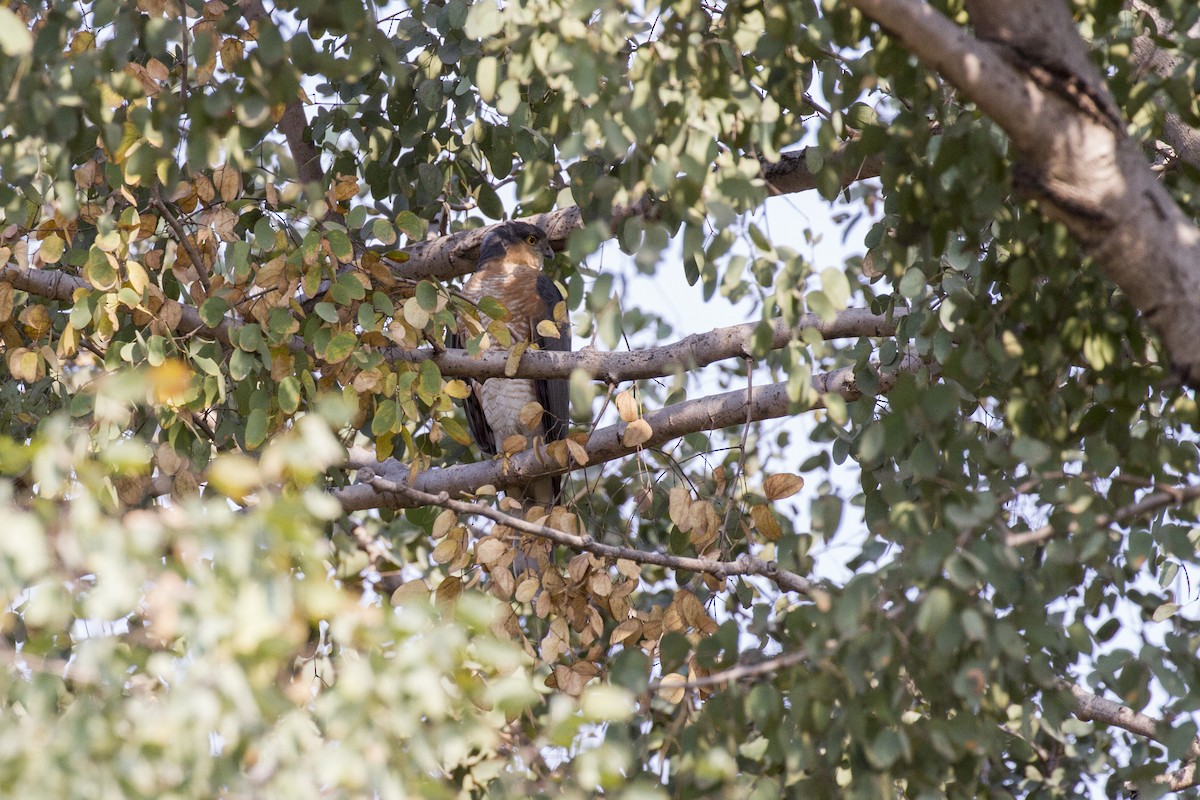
1029 72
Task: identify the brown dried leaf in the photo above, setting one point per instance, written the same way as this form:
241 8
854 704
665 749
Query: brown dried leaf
765 523
6 301
578 454
557 641
228 182
409 591
527 590
514 444
636 433
444 522
680 503
530 415
629 629
489 551
449 590
577 568
447 550
600 584
627 407
781 485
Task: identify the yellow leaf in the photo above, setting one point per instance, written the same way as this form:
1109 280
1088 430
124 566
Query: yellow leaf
514 358
457 389
548 329
636 433
24 364
781 485
415 315
627 407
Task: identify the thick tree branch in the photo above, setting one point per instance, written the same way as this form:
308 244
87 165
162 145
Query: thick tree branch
57 285
672 422
692 352
1033 78
458 253
789 581
1154 501
1093 708
1183 139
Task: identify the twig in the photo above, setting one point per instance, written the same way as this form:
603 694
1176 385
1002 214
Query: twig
181 236
735 673
746 565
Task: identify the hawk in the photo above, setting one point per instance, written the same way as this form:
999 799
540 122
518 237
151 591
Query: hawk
510 271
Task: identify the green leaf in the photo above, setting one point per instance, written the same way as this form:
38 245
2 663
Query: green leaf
213 310
411 225
431 379
340 347
288 394
256 428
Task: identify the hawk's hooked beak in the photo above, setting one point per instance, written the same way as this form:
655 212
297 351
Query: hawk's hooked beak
546 250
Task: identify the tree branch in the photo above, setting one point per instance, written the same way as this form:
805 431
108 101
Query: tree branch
746 565
1033 77
691 416
1183 139
693 352
458 253
1093 708
54 284
1154 501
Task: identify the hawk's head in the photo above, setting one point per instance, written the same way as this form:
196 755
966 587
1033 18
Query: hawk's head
516 243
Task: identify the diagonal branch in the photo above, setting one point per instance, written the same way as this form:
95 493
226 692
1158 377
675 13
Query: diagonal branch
1093 708
1157 500
186 242
789 581
693 352
1030 72
691 416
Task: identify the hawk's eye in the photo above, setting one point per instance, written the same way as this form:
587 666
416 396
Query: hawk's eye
531 239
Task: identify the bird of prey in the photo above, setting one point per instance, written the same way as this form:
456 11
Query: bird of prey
510 271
